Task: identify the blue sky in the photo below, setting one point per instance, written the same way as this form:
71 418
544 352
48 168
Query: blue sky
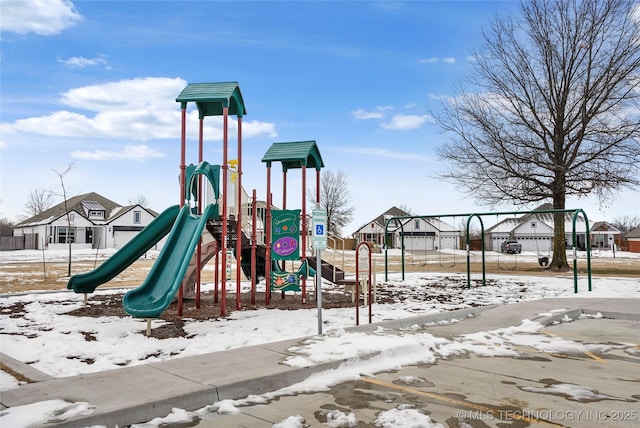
95 82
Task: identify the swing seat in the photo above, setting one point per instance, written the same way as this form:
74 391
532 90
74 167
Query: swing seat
543 261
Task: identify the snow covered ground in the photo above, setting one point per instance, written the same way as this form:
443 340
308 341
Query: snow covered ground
60 345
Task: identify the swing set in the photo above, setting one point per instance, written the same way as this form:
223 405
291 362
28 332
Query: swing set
542 260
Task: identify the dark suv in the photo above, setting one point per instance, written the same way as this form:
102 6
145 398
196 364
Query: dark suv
511 247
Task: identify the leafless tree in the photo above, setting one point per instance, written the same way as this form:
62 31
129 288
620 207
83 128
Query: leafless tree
626 223
474 230
61 176
554 110
139 200
334 198
39 201
5 227
406 209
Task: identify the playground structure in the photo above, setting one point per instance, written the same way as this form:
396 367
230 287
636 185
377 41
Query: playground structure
208 223
542 260
292 155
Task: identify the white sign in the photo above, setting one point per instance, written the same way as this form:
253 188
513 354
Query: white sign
319 224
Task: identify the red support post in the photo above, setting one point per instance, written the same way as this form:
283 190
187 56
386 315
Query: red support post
267 254
183 155
254 270
183 179
304 232
284 190
200 193
239 217
223 244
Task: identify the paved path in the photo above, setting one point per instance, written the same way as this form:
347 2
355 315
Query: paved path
475 390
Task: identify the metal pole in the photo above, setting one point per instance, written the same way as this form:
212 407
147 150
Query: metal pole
319 289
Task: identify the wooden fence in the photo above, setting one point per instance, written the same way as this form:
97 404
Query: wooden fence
24 242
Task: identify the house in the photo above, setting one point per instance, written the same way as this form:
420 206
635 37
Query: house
633 239
427 234
535 232
96 222
419 233
374 231
604 235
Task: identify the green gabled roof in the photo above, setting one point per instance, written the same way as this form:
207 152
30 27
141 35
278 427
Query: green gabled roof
294 155
210 98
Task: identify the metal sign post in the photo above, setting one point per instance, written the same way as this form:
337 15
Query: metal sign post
319 219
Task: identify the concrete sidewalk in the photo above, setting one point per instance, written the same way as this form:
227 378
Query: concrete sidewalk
140 393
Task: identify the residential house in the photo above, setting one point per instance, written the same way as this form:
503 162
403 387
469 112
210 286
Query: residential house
419 233
604 235
535 232
374 231
93 222
427 234
633 239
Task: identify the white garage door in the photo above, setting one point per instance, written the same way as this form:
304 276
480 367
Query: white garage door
120 238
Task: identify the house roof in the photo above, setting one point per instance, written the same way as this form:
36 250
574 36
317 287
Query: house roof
211 98
508 224
382 218
294 154
603 226
633 233
77 204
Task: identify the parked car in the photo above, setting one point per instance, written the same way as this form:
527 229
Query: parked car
511 247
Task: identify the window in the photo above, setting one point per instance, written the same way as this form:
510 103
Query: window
66 235
137 216
416 224
96 214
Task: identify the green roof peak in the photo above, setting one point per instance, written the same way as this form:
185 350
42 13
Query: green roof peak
211 98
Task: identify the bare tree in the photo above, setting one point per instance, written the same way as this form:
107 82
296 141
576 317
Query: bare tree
66 210
334 198
406 209
626 223
555 110
139 200
5 227
474 230
39 201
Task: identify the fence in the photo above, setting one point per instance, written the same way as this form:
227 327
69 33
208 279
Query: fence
23 242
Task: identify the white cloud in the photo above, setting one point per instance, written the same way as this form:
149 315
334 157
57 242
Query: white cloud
137 153
43 17
140 109
2 144
133 94
378 113
406 122
436 60
81 62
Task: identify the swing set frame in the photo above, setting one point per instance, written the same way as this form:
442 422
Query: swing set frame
577 212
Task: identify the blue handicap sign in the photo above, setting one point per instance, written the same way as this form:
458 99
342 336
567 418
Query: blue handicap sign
319 229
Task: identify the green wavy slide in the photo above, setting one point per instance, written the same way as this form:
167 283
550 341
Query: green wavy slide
125 256
165 277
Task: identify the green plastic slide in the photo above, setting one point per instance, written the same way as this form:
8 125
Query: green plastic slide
125 256
165 277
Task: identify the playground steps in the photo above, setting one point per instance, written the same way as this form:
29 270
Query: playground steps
329 272
215 229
